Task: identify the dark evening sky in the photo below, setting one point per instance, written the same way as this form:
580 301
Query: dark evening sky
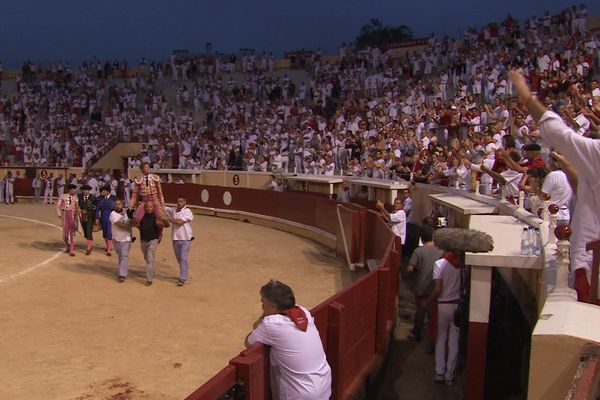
43 30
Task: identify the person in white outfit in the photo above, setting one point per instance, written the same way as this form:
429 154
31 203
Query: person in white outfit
299 368
181 233
49 191
446 292
582 153
9 188
60 185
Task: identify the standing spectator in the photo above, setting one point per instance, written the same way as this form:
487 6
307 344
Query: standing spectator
396 219
421 263
2 190
557 190
299 369
122 238
49 191
582 152
181 235
9 185
446 292
60 185
149 232
37 188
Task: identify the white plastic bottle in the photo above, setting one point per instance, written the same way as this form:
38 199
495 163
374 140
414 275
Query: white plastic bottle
525 242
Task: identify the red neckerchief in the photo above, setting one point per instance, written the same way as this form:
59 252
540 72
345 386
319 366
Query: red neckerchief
454 259
298 317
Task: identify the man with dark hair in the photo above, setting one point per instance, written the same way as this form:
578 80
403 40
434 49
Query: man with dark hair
87 205
104 206
421 263
299 368
122 239
149 227
446 293
396 219
509 178
181 234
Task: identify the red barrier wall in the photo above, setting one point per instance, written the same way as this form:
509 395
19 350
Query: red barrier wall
355 324
307 209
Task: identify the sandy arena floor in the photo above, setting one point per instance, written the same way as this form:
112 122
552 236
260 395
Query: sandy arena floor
70 331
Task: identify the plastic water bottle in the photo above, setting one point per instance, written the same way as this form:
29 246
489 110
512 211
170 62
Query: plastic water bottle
537 244
525 242
531 239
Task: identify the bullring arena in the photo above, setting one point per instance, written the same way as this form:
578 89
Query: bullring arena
71 331
333 173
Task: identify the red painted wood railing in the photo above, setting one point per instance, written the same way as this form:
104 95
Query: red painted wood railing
355 324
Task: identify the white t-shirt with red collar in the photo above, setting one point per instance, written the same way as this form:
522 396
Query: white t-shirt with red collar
450 277
299 368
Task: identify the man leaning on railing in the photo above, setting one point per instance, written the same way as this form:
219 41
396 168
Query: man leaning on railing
299 368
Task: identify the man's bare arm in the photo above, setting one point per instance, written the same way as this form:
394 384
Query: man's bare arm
534 106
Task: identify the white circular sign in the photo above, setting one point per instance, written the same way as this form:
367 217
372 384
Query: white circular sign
204 196
227 198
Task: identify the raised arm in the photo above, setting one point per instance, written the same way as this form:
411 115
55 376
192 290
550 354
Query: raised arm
582 152
570 171
498 177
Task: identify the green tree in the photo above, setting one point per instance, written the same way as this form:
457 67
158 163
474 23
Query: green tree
374 33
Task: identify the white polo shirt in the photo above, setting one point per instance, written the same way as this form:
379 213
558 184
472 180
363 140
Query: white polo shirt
184 231
120 234
299 368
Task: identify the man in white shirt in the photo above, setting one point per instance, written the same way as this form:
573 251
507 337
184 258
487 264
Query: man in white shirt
60 185
509 178
582 153
446 278
181 235
49 191
121 237
299 368
396 219
557 190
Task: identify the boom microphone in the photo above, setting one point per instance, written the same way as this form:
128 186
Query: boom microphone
462 240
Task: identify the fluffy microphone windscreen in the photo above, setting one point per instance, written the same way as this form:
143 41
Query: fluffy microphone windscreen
459 240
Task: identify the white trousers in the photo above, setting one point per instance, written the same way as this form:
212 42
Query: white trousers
48 195
10 197
446 346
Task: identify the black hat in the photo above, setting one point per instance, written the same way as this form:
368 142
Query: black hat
532 147
107 188
85 187
71 186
